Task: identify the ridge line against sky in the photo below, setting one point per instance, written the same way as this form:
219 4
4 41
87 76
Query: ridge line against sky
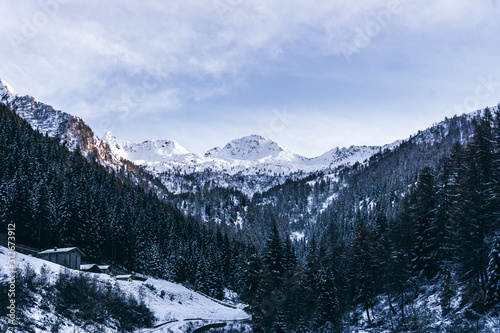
308 75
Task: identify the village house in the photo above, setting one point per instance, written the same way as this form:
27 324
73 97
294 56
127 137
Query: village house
131 277
105 269
93 268
69 257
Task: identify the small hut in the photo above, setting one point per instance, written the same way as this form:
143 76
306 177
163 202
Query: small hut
93 268
70 257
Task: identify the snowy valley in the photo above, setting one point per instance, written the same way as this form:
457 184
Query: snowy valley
396 238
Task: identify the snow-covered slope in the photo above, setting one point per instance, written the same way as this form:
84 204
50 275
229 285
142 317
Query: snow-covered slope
348 156
176 303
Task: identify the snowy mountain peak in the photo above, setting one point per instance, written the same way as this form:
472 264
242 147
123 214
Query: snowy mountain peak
108 136
7 93
253 148
5 87
162 148
156 155
253 156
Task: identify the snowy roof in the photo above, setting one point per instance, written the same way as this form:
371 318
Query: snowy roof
123 277
87 267
103 267
139 277
61 250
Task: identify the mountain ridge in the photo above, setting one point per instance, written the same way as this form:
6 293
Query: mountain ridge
263 163
248 155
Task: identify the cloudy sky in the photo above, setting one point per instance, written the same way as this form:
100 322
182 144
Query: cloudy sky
310 75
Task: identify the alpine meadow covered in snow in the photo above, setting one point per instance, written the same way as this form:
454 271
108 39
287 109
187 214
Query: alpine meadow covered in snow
257 166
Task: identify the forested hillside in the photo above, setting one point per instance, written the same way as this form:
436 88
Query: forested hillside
437 238
59 198
406 241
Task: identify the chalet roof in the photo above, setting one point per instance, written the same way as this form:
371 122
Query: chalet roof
137 277
103 267
88 266
61 250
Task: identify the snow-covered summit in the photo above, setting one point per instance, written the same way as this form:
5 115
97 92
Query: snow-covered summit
156 155
161 148
253 156
253 148
6 91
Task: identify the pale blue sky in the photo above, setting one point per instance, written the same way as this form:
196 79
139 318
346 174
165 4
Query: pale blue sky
310 75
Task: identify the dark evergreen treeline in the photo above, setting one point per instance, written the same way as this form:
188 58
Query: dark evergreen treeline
60 198
441 238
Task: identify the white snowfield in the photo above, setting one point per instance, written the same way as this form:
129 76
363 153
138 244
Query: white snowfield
168 301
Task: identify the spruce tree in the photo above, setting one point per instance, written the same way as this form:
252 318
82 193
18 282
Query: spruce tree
493 286
363 269
327 306
274 257
429 233
201 284
270 296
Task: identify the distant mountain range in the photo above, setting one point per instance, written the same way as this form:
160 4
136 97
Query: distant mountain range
249 165
249 155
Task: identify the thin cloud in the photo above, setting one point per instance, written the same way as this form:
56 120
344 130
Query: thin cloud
159 58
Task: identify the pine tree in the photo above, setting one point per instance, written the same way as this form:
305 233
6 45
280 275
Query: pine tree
310 281
201 284
327 306
270 296
493 286
156 263
446 293
274 258
429 232
214 280
249 276
363 269
289 257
